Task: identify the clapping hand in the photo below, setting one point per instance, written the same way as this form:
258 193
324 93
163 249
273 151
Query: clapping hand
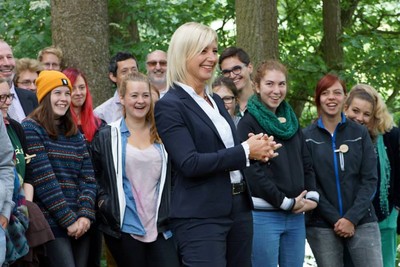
262 147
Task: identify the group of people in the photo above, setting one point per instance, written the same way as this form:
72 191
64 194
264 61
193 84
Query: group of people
177 170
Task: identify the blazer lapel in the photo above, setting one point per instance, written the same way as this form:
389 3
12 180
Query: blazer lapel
189 102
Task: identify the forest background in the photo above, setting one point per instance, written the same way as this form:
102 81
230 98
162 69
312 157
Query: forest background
357 39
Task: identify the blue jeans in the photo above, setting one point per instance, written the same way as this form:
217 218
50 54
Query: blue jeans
2 246
364 247
279 238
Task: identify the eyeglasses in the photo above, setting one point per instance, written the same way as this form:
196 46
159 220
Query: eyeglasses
51 65
228 99
27 82
3 98
235 70
162 63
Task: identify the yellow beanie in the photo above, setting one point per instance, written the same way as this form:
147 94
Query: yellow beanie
48 80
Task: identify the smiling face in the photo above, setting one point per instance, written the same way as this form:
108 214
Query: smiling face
332 100
5 90
7 61
156 66
272 89
78 95
360 111
60 99
137 100
241 80
200 68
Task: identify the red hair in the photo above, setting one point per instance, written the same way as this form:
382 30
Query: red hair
89 122
324 83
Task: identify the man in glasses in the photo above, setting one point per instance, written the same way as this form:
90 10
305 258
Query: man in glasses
156 66
24 101
235 64
26 72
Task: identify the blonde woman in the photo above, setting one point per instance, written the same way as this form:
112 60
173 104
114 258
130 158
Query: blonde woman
365 106
131 167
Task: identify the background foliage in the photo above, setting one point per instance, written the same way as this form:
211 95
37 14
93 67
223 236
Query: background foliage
371 37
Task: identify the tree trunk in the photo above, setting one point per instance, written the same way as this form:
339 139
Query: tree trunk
331 43
257 29
80 29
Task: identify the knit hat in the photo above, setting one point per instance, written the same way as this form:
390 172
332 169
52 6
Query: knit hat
48 80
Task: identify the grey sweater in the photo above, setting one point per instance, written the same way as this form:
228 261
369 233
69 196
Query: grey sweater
6 172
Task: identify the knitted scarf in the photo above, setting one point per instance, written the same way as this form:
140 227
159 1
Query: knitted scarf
384 166
270 122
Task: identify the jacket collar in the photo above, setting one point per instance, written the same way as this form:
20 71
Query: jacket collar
189 102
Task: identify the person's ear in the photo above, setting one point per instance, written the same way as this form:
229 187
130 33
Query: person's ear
112 77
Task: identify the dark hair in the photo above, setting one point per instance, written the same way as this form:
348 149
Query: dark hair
44 115
120 56
234 52
324 83
227 82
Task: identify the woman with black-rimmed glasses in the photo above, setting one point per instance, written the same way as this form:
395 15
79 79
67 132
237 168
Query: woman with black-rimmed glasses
226 89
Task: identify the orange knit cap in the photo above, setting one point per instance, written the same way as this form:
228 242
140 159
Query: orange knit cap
48 80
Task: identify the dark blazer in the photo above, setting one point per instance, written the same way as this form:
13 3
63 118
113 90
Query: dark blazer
200 161
27 99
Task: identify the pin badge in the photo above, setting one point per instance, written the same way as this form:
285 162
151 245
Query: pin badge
344 148
282 119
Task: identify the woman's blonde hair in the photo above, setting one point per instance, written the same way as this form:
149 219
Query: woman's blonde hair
382 120
140 77
186 42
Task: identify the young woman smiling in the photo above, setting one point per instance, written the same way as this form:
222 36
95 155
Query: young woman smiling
62 172
365 106
345 167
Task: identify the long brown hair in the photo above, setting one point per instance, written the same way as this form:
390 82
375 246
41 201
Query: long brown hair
140 77
45 116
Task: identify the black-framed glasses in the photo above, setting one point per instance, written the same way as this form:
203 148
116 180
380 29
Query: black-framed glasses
3 98
235 70
228 99
154 63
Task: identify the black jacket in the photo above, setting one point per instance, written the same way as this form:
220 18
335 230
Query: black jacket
392 142
27 99
285 176
108 216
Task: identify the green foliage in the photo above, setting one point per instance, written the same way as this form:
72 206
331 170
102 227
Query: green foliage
370 39
25 26
371 43
157 21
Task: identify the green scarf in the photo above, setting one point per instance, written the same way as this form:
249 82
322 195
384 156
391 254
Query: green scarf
384 166
270 122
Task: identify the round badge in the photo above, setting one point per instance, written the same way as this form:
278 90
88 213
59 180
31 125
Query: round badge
344 148
281 119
